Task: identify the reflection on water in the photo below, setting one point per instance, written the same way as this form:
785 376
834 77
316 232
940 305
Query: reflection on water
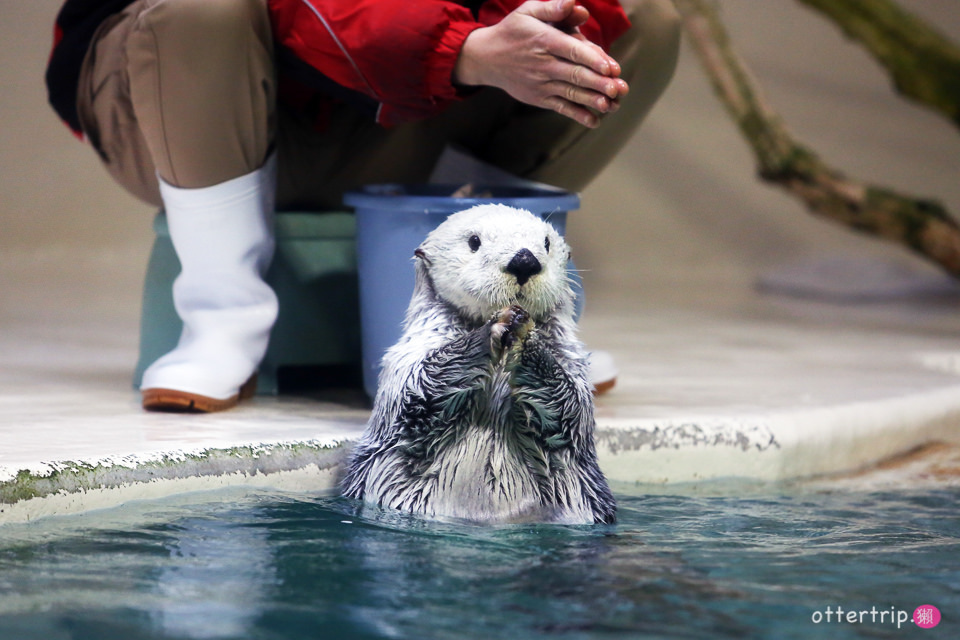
252 566
216 582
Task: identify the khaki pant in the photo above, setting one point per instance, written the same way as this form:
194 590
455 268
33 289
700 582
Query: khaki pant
187 89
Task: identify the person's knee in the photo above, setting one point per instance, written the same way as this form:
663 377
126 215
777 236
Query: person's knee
669 19
651 46
659 17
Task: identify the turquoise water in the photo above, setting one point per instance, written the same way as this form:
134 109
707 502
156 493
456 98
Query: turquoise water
277 567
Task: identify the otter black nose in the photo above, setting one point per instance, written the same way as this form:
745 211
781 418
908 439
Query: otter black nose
523 265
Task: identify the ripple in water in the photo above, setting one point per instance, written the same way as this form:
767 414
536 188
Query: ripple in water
276 567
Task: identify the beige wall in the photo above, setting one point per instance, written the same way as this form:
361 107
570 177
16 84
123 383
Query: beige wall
52 189
681 195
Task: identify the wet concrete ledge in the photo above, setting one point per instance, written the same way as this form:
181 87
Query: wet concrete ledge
767 448
75 486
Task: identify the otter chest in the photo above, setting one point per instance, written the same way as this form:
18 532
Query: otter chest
490 463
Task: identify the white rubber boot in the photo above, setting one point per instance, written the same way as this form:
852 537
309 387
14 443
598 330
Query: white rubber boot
223 236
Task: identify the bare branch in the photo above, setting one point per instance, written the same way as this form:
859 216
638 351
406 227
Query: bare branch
920 224
923 63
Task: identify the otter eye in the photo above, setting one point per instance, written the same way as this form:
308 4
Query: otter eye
474 243
546 244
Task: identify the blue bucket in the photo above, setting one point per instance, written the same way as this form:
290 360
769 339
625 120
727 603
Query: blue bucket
392 221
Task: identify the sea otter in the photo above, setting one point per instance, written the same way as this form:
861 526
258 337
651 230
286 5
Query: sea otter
484 412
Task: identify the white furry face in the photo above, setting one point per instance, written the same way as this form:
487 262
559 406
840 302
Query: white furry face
492 256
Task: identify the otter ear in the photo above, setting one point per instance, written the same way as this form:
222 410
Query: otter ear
419 253
423 283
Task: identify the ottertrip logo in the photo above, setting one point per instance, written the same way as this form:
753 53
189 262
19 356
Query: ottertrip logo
926 616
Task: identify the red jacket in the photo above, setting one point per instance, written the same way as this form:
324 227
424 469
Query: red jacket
394 57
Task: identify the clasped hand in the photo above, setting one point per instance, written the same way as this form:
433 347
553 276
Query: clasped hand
538 56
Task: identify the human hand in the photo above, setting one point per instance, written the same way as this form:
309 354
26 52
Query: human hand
538 56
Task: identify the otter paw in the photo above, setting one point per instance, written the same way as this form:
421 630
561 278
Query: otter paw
511 326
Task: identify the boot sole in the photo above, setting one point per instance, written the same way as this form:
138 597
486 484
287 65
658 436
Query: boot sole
176 401
602 387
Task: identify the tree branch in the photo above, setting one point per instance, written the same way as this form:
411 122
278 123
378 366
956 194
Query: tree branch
920 224
923 63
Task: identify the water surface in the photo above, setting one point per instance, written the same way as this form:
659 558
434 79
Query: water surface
276 566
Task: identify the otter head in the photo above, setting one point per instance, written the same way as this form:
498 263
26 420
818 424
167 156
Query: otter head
492 256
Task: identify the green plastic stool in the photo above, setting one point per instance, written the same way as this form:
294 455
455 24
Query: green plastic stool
314 274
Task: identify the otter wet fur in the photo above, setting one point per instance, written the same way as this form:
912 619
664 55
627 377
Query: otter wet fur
484 411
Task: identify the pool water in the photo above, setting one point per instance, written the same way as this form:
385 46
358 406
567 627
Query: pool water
690 565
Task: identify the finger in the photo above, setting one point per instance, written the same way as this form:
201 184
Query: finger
572 111
615 69
578 51
579 96
583 77
577 18
553 12
614 65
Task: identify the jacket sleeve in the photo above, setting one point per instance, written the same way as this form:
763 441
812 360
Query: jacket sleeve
401 53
